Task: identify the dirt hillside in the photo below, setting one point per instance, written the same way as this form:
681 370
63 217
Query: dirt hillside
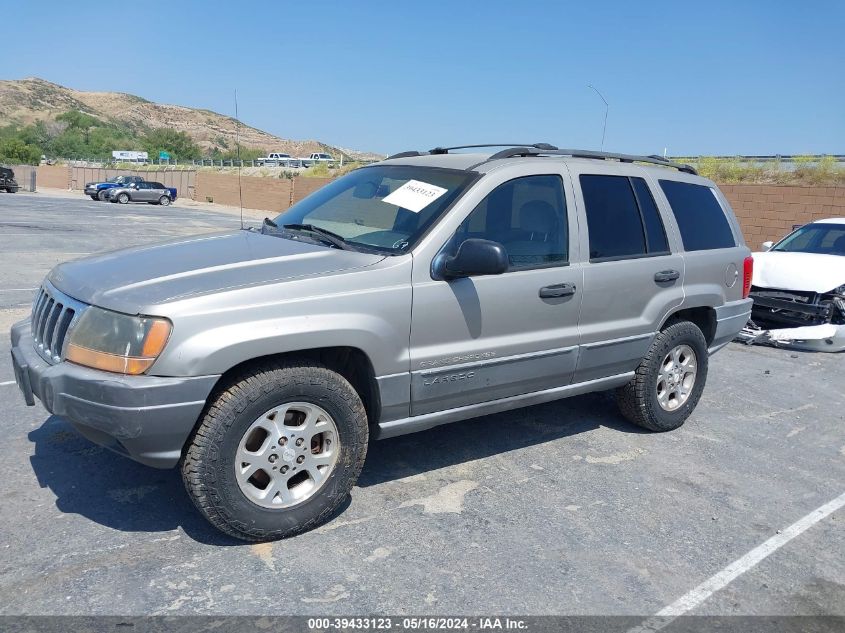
25 101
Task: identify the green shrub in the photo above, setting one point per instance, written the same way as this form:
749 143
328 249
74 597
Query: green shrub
15 151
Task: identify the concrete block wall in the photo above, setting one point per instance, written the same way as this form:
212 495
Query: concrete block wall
268 194
53 176
768 212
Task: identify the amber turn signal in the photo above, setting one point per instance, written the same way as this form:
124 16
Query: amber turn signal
132 365
117 342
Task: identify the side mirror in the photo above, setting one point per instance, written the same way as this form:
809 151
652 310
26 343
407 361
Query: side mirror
476 257
767 246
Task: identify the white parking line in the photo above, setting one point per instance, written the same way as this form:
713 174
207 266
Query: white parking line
8 382
16 289
691 600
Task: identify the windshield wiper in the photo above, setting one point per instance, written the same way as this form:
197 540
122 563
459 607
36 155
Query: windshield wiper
332 238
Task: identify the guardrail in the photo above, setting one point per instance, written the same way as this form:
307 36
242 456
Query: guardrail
785 159
293 163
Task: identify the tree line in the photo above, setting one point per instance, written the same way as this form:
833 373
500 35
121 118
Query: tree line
76 135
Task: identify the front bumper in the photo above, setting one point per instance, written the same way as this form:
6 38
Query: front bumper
146 418
91 191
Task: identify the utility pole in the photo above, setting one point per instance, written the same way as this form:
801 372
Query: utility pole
606 108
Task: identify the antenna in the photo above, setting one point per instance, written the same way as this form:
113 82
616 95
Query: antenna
238 150
606 108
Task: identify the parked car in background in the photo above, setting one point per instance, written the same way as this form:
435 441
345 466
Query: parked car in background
7 180
151 192
278 159
799 290
97 190
426 289
318 157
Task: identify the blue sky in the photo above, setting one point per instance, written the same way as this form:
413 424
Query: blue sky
694 77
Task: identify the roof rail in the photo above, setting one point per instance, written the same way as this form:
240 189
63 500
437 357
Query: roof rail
584 153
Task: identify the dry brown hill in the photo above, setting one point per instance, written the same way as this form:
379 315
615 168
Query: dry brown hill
25 101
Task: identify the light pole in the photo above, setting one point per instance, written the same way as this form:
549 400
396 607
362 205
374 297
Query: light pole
606 108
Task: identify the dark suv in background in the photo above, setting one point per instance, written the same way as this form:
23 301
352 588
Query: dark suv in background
7 180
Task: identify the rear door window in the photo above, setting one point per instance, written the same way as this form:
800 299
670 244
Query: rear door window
622 219
700 217
654 232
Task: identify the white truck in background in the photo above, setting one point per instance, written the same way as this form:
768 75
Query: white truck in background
279 159
318 157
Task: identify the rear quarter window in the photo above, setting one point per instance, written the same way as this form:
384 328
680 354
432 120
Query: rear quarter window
700 217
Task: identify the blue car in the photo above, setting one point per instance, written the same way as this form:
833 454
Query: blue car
97 190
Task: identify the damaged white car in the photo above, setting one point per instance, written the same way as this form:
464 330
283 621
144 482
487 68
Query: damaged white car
798 289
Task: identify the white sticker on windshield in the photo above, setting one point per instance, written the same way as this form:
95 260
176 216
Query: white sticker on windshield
415 195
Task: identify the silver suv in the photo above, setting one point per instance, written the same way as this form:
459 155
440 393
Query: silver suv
428 288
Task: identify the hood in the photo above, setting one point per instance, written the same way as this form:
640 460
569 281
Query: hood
798 271
135 279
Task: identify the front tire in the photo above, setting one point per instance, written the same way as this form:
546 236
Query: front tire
94 198
669 381
123 198
276 451
101 195
164 201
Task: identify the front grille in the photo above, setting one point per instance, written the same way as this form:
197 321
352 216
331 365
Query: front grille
52 314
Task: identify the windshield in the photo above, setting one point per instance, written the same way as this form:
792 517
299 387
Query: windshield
386 207
820 238
115 179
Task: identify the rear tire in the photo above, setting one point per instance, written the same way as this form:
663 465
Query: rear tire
676 364
94 198
101 195
217 449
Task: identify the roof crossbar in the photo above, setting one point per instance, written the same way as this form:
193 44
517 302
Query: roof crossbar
445 150
407 154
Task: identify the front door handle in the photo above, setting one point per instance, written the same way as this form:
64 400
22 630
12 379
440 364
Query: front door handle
666 275
557 290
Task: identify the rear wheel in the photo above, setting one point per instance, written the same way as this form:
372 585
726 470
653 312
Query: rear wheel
101 195
277 451
164 201
123 198
669 381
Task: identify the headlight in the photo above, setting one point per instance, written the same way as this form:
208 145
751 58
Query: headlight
116 342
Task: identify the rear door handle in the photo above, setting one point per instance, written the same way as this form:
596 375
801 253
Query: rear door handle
666 275
557 290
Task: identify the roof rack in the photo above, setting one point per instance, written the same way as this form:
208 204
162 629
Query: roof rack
446 150
546 149
584 153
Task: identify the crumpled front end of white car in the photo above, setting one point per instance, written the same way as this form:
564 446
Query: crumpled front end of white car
799 319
